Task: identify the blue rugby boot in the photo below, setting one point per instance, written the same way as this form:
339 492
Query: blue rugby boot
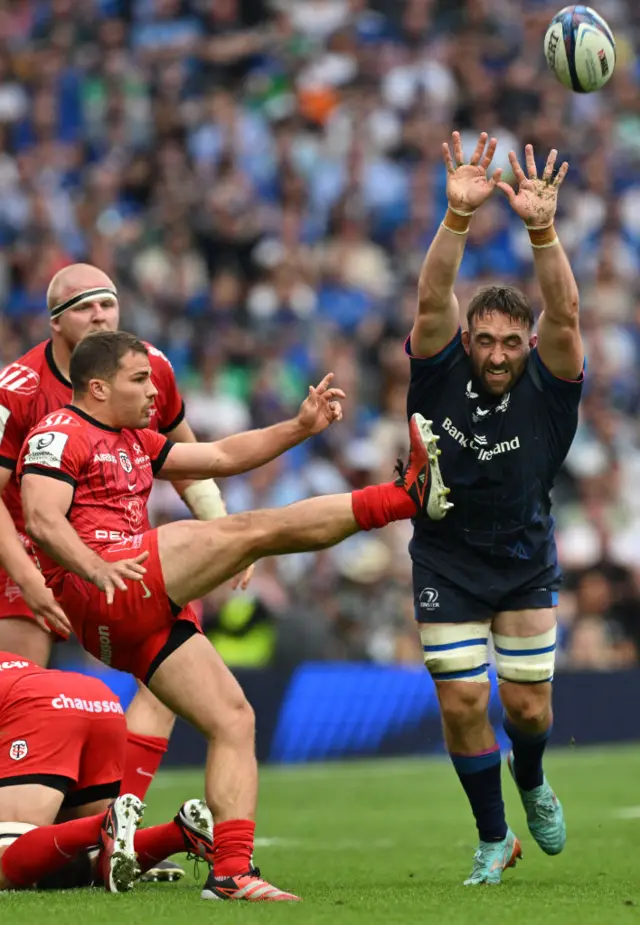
545 817
492 857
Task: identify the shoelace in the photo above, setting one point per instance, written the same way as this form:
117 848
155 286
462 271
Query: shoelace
482 857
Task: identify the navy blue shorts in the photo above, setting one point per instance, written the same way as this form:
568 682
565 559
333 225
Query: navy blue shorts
439 600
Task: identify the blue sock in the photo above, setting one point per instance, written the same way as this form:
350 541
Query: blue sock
528 750
480 777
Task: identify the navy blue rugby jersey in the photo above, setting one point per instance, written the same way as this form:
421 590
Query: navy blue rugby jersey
500 456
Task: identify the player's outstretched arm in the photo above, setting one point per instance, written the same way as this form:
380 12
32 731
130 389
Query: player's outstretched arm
250 450
559 340
22 569
45 502
438 314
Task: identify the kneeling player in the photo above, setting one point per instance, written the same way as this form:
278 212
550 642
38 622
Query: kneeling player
62 747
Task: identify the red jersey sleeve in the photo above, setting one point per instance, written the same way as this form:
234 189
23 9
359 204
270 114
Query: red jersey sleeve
14 426
156 446
169 403
60 453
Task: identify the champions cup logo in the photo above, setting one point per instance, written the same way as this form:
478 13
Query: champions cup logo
45 441
134 510
125 462
20 379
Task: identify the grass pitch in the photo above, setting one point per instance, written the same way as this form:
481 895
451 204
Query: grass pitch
391 842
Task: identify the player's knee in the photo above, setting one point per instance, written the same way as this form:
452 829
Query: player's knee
527 705
463 705
525 660
456 652
237 721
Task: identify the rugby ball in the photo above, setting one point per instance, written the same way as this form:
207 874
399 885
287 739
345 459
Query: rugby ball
580 48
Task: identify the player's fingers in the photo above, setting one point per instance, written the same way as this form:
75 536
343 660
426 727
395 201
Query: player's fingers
117 580
446 157
322 386
142 557
507 189
333 394
109 590
495 177
518 172
530 161
336 410
458 154
564 167
479 149
235 582
489 153
58 619
548 167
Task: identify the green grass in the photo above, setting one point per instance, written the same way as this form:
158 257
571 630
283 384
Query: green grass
391 842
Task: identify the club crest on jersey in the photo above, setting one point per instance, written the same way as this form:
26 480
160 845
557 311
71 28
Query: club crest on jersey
134 511
125 462
18 750
20 379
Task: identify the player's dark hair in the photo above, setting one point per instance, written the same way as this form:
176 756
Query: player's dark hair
98 356
507 300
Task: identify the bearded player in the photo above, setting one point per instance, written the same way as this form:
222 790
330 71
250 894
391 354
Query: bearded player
81 299
85 486
505 401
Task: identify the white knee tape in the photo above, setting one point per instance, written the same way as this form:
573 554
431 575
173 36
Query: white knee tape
11 831
527 660
456 651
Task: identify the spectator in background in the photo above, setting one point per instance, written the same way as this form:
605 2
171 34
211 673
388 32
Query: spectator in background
264 176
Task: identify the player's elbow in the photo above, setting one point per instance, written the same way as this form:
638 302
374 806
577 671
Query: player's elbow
37 523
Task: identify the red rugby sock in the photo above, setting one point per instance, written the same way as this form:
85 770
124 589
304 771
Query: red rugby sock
142 760
379 505
157 843
48 849
232 847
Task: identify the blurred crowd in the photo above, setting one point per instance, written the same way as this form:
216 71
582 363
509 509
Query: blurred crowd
262 179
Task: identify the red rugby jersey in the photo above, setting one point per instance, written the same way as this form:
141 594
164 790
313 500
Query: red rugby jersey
110 470
33 388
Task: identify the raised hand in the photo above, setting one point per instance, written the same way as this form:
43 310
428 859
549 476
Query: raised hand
537 199
467 184
321 407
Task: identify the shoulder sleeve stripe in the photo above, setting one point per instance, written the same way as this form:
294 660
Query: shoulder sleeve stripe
161 458
51 473
7 463
178 420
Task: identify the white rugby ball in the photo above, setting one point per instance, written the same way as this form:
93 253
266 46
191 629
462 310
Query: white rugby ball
580 48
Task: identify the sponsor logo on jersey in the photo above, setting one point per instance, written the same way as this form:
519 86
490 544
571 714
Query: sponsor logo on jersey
473 443
46 450
18 750
104 458
19 379
429 599
8 666
154 352
11 591
58 420
86 706
104 638
125 462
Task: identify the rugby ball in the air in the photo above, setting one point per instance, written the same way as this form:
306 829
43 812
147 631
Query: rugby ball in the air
580 48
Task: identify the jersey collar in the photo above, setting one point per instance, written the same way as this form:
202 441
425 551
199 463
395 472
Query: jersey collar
51 363
90 420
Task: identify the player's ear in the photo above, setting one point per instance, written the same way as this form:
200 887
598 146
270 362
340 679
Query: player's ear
533 340
466 341
98 389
